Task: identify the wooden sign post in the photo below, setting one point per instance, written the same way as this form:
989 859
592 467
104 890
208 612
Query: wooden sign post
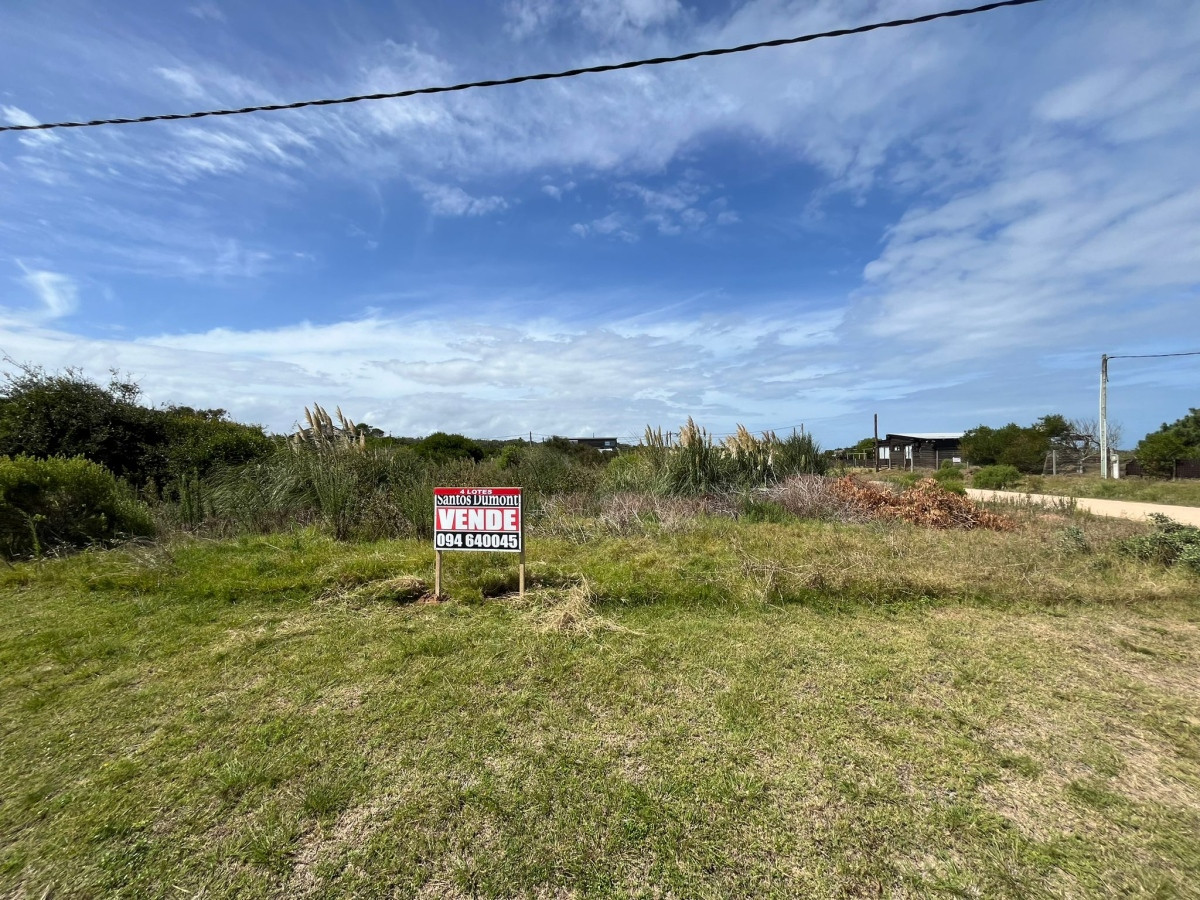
479 520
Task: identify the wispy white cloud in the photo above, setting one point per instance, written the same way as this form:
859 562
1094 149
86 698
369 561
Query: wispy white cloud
452 200
207 10
58 293
14 115
606 18
480 376
614 224
188 84
558 191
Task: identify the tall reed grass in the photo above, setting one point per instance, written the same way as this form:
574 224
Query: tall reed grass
326 474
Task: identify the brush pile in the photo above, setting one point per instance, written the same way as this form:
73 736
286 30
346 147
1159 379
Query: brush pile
926 503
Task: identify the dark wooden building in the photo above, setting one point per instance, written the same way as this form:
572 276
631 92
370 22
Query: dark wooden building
603 444
920 451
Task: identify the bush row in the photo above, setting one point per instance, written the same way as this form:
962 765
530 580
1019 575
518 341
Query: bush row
47 504
364 491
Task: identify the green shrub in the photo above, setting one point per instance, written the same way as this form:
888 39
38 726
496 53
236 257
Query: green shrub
1169 542
754 510
580 453
65 414
47 504
950 478
198 441
948 474
549 469
442 447
995 478
510 456
696 465
1073 540
799 454
632 472
356 493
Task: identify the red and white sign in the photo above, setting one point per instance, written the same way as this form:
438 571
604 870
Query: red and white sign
478 519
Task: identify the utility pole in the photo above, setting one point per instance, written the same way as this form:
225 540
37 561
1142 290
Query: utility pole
1104 358
876 442
1104 415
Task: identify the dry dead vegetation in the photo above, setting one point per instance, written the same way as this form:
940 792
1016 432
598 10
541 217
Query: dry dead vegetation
569 610
400 589
849 500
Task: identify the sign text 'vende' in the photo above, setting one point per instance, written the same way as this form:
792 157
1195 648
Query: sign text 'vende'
477 519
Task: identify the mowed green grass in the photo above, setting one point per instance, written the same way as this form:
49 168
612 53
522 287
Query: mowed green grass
787 710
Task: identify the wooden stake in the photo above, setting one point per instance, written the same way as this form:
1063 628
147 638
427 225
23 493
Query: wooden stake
521 570
437 576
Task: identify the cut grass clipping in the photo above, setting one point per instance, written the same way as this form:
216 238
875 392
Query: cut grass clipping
570 610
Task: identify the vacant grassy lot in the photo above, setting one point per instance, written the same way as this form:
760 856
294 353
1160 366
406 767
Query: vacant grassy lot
1143 490
731 709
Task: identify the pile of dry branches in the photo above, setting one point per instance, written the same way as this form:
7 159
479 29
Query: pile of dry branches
924 504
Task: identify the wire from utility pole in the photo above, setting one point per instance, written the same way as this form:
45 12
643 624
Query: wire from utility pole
1156 355
520 79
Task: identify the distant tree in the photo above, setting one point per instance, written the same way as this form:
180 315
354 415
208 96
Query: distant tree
370 430
1056 428
983 445
65 414
442 447
198 441
1187 429
1085 434
1026 450
1180 439
1158 451
1013 445
579 452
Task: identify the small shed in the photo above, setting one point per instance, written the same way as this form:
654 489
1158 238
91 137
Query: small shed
920 450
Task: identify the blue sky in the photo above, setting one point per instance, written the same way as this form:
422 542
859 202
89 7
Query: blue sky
945 224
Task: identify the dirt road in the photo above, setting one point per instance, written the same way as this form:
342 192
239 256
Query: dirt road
1122 509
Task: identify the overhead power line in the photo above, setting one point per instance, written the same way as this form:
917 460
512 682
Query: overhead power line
1156 355
520 79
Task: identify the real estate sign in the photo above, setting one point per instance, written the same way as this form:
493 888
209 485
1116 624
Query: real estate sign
478 519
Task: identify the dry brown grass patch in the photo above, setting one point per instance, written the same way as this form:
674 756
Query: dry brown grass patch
400 589
568 611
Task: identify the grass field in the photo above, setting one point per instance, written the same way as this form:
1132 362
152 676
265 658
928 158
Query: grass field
728 709
1143 490
1185 492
